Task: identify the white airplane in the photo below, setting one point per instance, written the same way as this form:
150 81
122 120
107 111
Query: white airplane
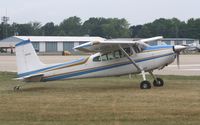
109 58
192 48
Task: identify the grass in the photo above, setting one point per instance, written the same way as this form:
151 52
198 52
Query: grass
114 100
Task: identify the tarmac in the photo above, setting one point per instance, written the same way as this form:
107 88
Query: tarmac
190 64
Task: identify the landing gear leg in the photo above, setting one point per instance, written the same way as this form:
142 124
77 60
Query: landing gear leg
158 82
145 84
17 88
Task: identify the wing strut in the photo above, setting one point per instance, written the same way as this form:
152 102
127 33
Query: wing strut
133 62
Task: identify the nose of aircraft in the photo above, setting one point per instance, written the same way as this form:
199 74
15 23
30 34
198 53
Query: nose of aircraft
179 48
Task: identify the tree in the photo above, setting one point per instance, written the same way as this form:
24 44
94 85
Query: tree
24 29
49 29
107 28
165 27
36 27
71 26
145 32
1 31
134 30
92 26
193 28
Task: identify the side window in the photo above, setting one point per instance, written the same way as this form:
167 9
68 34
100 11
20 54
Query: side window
128 50
97 59
110 56
104 57
113 55
137 50
117 54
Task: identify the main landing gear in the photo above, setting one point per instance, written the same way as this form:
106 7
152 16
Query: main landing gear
145 85
158 82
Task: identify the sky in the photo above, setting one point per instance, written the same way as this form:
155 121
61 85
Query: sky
135 11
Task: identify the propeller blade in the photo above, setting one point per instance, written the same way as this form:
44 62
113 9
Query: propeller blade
177 49
178 59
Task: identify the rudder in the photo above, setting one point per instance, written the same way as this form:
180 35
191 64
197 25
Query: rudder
26 58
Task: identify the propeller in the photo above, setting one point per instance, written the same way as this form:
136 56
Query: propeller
177 49
178 59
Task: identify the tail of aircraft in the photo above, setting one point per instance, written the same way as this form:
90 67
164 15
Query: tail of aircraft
26 57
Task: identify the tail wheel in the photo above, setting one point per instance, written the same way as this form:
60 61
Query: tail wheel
16 88
158 82
145 85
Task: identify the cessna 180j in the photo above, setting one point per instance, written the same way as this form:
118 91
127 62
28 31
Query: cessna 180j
109 58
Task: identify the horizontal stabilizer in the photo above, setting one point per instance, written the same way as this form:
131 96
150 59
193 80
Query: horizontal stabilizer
33 78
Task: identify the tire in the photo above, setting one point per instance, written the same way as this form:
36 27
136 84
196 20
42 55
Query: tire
145 85
158 83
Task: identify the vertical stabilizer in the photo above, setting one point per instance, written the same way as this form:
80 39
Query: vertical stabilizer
26 57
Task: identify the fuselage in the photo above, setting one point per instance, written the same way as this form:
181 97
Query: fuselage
99 65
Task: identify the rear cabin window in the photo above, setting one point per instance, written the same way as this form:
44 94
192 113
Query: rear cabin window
110 56
104 57
117 54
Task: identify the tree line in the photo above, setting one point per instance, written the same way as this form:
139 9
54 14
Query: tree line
105 27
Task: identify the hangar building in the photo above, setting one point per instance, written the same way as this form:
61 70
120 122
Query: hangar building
58 44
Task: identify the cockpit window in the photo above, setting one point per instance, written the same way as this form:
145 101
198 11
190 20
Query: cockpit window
127 50
97 59
136 49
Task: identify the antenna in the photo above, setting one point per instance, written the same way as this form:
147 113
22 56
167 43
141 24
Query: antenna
5 20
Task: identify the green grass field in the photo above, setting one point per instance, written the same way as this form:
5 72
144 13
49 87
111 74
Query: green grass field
114 100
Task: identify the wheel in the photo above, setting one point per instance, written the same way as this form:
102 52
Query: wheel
145 85
158 83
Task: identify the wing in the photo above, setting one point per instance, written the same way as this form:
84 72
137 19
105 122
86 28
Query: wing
107 46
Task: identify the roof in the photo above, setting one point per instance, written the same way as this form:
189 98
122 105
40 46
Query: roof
59 38
180 39
164 39
11 41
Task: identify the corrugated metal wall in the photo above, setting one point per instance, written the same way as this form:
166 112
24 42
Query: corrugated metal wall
51 47
68 46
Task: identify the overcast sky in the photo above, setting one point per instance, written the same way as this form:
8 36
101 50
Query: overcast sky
135 11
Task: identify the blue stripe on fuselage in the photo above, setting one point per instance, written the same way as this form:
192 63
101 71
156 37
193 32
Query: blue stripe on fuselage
50 67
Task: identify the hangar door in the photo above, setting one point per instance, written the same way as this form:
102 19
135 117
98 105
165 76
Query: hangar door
36 46
51 47
68 46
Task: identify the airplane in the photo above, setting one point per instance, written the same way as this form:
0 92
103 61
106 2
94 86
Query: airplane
108 58
192 48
